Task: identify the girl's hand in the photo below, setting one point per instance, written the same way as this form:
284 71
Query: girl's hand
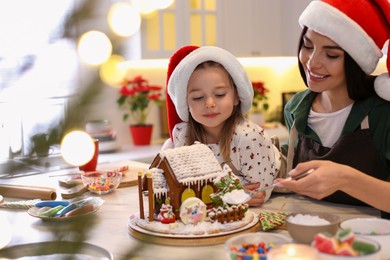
258 199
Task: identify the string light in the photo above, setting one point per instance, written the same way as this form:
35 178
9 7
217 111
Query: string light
94 47
123 19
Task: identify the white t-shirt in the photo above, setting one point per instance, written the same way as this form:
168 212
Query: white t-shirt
328 126
251 152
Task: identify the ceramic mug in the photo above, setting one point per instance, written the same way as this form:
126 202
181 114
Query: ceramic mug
92 164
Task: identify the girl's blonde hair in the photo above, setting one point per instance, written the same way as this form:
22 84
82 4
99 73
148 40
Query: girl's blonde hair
195 131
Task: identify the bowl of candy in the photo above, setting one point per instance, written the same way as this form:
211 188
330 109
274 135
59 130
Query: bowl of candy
346 246
101 182
253 245
302 227
377 229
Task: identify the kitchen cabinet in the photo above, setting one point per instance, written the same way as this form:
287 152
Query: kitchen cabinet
253 28
186 22
247 28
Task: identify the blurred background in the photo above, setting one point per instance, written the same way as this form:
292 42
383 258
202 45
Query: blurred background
62 62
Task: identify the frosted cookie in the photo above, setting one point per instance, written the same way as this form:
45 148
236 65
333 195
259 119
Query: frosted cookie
271 220
193 211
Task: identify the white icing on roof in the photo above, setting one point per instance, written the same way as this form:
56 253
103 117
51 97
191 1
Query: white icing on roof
192 164
160 186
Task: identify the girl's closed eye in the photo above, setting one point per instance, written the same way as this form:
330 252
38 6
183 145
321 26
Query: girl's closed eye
220 94
197 98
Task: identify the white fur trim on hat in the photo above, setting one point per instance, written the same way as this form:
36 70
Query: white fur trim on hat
331 22
382 86
178 81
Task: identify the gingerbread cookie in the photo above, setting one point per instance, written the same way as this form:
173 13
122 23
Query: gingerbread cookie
193 211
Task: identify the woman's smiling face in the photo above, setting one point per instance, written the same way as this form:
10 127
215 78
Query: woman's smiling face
211 97
323 61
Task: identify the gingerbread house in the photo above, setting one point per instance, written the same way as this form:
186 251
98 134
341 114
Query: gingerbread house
181 173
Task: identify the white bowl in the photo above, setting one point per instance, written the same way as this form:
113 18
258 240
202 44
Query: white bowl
373 228
101 182
373 256
253 238
304 232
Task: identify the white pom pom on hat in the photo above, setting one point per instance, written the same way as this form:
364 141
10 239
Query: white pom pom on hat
360 27
178 80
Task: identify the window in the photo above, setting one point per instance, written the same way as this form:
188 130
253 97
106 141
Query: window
38 70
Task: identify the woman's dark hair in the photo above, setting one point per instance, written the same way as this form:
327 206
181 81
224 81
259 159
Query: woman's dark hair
360 85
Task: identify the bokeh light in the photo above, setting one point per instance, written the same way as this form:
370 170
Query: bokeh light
94 47
162 4
123 19
111 72
77 148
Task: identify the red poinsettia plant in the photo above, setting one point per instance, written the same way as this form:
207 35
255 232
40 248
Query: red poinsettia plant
260 98
136 95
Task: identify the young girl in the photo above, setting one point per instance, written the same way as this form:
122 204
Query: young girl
208 93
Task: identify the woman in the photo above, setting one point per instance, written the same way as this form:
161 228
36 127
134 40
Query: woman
342 125
210 91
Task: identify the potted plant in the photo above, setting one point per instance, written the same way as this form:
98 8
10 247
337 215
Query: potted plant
260 103
136 96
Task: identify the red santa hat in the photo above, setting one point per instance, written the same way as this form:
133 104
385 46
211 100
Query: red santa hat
173 117
181 66
360 27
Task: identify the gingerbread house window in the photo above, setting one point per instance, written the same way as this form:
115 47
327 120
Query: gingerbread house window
187 193
206 192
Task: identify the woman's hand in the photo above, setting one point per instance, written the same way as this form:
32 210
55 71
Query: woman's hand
258 199
327 178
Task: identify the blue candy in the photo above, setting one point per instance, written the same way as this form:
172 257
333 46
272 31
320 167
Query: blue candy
66 210
52 203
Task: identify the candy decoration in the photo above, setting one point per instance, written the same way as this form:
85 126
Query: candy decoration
52 203
254 250
363 248
346 236
325 243
272 220
65 210
21 204
346 249
80 210
51 212
350 247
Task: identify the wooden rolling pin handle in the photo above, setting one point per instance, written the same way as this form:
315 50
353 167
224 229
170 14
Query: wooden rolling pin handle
27 192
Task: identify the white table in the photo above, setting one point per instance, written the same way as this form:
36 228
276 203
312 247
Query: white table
110 230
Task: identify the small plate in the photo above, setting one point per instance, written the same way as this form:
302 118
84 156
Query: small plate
34 212
57 250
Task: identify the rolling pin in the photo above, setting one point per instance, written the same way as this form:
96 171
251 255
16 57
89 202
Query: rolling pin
27 192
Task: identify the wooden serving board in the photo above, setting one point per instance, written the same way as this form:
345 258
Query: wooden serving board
76 187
